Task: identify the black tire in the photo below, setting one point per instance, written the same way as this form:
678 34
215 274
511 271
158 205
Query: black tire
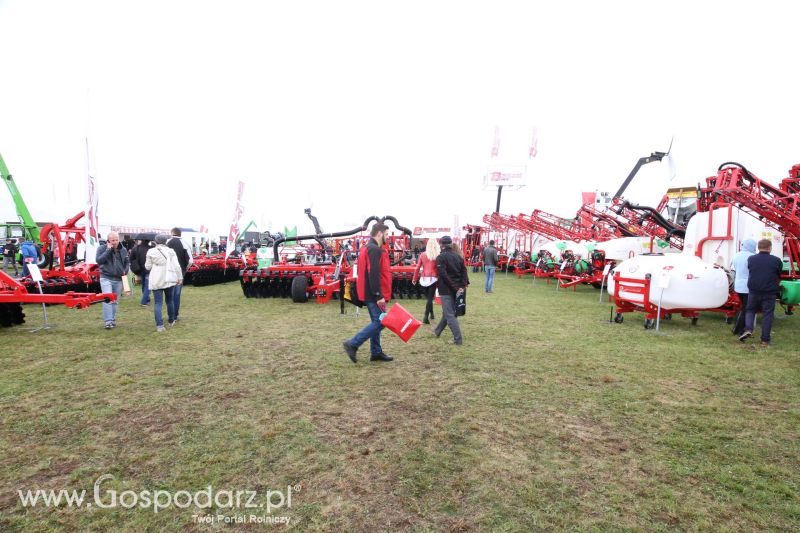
300 289
649 323
694 320
619 318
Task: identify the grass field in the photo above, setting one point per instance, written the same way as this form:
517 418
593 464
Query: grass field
548 418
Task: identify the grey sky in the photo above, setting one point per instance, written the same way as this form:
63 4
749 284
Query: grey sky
361 108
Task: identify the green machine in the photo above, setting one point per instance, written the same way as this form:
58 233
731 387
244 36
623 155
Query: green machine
790 288
27 227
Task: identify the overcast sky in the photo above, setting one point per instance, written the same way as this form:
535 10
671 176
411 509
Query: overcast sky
383 108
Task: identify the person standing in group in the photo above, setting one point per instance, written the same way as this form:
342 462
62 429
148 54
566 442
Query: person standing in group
10 256
490 261
427 266
453 281
475 258
165 275
114 263
763 285
374 287
30 254
741 272
185 260
138 258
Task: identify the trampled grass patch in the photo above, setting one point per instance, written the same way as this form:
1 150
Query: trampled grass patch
549 417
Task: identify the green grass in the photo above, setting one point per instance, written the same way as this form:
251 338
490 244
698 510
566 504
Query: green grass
549 417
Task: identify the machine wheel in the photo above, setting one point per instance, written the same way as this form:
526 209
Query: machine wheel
649 323
694 320
728 319
300 289
618 318
668 316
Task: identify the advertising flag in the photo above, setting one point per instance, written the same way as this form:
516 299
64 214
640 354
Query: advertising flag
233 233
534 143
92 237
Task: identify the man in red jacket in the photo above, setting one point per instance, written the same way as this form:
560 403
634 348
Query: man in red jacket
374 286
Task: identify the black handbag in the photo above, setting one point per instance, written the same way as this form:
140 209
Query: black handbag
461 303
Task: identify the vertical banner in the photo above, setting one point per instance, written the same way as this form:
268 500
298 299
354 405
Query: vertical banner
237 214
92 237
496 144
534 143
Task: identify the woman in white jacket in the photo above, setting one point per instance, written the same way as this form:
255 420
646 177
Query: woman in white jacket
165 273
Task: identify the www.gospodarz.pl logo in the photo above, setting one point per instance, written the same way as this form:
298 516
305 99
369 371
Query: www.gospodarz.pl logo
108 498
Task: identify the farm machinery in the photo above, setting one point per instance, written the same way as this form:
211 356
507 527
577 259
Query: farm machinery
61 271
304 276
734 205
13 294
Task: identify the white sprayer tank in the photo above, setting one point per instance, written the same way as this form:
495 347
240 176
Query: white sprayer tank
627 247
680 281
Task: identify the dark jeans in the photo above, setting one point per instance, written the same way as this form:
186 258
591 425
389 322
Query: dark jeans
145 288
766 302
159 295
449 318
371 331
176 299
430 292
739 327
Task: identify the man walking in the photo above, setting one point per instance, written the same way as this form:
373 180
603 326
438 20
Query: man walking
490 261
10 256
763 285
185 259
113 261
374 287
453 281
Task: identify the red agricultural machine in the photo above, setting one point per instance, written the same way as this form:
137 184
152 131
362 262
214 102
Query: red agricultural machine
332 277
209 270
777 207
734 205
13 294
65 280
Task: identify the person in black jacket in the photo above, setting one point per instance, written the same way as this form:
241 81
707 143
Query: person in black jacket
763 285
185 259
453 281
10 256
138 257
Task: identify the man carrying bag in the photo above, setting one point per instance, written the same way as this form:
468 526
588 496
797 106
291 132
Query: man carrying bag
453 281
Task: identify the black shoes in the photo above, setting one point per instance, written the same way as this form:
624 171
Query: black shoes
744 336
426 321
381 357
350 351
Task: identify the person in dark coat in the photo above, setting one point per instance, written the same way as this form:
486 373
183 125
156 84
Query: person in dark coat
10 256
763 286
138 256
453 281
185 259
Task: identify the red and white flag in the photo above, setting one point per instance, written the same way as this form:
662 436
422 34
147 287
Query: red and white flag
496 144
237 214
92 237
534 143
